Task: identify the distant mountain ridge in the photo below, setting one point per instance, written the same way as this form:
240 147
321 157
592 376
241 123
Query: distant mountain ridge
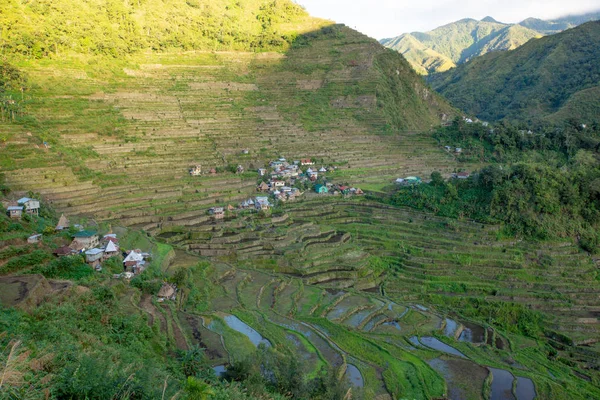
560 24
555 79
458 42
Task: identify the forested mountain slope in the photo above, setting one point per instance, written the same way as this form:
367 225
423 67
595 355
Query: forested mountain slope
445 47
53 27
455 43
123 123
553 78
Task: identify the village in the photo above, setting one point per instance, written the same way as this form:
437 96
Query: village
94 249
283 181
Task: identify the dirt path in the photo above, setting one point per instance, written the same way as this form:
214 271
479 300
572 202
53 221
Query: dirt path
179 336
153 313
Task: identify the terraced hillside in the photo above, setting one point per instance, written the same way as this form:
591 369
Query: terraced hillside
121 135
400 304
367 267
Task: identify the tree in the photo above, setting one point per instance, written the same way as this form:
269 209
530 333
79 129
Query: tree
436 179
179 277
193 361
196 389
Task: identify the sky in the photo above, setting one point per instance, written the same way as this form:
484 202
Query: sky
388 18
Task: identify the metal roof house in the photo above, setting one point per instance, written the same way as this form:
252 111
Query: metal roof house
262 203
93 256
15 212
85 239
321 189
32 206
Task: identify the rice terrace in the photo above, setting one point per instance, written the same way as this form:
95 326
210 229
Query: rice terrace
236 200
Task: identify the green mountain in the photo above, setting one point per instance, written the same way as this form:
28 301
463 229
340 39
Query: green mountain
445 47
421 57
172 84
552 79
559 24
43 28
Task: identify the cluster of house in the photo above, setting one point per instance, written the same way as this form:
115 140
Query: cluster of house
259 203
279 189
282 176
278 185
24 205
98 250
283 170
337 189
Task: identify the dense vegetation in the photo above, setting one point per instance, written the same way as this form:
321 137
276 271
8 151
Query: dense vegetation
13 83
542 183
552 78
110 27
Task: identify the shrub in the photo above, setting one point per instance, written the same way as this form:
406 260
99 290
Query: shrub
146 285
35 258
15 226
70 267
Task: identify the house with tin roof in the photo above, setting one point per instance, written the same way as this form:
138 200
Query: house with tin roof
321 189
93 257
31 206
14 212
84 240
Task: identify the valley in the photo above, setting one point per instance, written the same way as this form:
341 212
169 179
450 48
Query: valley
435 256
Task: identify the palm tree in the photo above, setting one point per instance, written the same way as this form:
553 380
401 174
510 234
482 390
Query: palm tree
197 389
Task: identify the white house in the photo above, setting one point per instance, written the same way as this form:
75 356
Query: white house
134 262
32 206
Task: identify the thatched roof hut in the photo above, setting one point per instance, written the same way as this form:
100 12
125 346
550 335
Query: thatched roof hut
167 291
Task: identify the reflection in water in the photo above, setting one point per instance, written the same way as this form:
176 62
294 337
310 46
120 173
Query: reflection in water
354 376
525 389
256 338
502 381
440 346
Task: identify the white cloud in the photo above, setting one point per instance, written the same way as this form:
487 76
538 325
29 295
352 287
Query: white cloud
387 18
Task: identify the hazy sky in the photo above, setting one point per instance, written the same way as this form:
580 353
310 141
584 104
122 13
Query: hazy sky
388 18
